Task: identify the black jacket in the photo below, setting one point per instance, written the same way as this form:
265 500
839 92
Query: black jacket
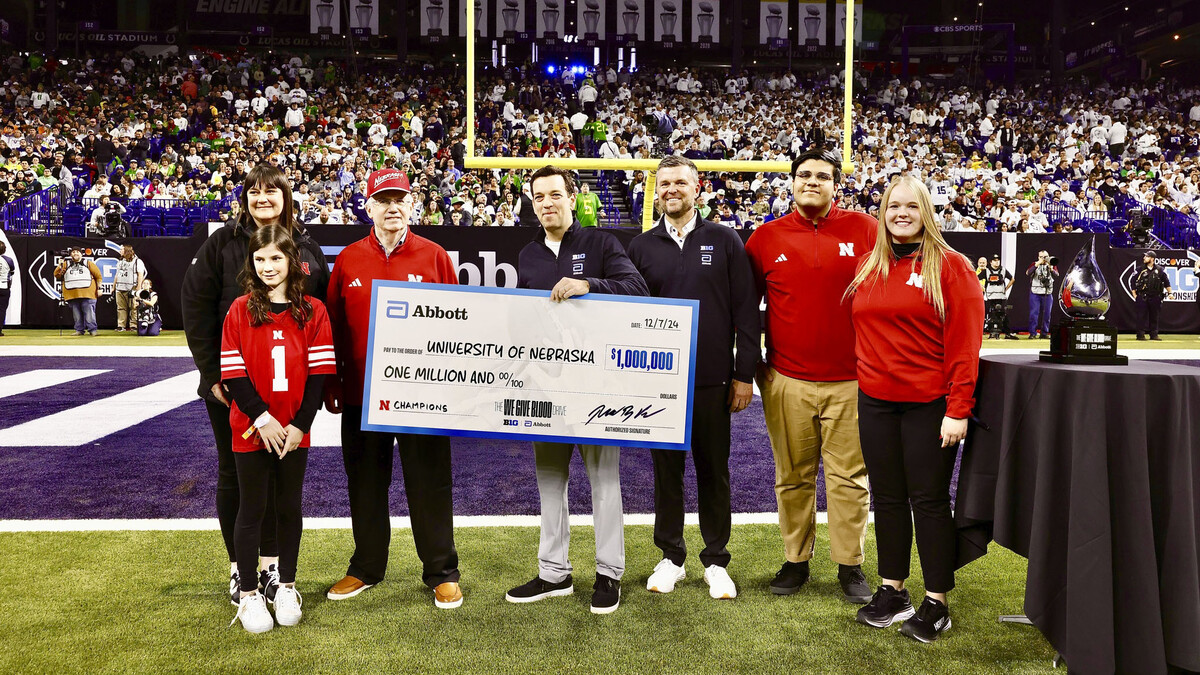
210 286
586 253
1151 284
712 267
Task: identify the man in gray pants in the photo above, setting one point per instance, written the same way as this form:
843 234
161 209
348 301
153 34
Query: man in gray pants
569 261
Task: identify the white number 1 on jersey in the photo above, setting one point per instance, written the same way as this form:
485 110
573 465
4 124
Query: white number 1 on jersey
280 382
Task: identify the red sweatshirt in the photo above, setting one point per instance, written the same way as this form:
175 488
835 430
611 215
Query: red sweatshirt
803 268
905 352
349 296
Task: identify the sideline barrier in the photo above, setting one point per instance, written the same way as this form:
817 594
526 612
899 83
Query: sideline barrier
488 257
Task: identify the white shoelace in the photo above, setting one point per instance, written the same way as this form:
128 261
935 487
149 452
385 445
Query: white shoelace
243 603
285 595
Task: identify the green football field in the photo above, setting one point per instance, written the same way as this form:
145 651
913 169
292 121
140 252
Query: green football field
155 602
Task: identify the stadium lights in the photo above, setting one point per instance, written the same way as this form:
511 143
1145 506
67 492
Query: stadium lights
550 70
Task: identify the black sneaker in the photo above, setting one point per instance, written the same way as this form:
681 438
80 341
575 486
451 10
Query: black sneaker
854 584
932 619
886 608
268 582
540 589
606 595
235 589
790 578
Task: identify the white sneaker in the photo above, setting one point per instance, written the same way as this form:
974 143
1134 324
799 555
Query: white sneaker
720 586
665 576
287 606
252 610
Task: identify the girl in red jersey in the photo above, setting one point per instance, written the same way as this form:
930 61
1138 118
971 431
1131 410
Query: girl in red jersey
276 348
918 315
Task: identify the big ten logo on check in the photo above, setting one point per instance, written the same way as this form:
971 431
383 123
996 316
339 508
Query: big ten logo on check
642 359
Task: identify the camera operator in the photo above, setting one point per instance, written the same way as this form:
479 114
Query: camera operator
1150 286
107 219
996 283
145 304
81 284
130 273
1138 228
1041 294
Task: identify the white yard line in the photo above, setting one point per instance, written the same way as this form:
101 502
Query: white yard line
94 350
85 424
398 522
21 383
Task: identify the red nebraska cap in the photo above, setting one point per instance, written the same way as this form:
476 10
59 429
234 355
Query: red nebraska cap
387 179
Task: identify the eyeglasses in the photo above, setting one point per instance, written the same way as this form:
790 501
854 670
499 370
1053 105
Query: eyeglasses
821 176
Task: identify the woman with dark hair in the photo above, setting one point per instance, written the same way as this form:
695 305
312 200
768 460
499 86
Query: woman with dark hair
209 288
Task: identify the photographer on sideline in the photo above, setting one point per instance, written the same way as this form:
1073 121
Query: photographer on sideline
1041 294
80 286
7 269
996 283
145 303
131 271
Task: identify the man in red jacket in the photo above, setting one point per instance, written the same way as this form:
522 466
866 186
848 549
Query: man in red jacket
390 251
803 263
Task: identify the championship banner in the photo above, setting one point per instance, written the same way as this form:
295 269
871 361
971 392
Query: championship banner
668 21
284 16
812 23
364 17
435 18
551 18
773 23
839 26
481 18
632 24
509 363
326 17
706 21
512 18
592 20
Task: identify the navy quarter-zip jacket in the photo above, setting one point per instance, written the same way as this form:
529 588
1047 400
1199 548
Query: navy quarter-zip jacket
589 254
713 268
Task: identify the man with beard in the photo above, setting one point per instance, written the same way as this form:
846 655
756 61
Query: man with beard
686 256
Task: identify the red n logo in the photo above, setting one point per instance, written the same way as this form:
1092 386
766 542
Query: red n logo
383 405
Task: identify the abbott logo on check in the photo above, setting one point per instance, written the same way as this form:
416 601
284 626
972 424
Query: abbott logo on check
398 309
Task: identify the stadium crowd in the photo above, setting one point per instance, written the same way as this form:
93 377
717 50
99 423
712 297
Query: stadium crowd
1029 158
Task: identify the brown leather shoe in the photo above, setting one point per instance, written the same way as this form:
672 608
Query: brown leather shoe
447 595
348 587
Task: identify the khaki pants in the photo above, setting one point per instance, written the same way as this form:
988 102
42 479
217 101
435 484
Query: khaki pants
809 422
126 316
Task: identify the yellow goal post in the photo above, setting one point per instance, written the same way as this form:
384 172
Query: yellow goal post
648 165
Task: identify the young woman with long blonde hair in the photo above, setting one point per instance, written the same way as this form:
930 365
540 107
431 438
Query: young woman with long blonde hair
917 311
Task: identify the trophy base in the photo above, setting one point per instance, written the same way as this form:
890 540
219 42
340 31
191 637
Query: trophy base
1087 342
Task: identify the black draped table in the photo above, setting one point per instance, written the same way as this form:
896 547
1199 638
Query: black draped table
1093 474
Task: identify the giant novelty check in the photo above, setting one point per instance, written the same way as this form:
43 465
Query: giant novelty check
509 363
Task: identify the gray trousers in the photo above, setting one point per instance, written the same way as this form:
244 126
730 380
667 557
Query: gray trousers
553 462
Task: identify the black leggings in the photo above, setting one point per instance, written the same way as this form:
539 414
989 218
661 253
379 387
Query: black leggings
910 475
255 470
227 486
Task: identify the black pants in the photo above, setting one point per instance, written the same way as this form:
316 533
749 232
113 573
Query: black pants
4 295
264 479
428 483
910 480
227 487
710 455
1148 311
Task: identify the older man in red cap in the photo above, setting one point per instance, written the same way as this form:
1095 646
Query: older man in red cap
392 252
